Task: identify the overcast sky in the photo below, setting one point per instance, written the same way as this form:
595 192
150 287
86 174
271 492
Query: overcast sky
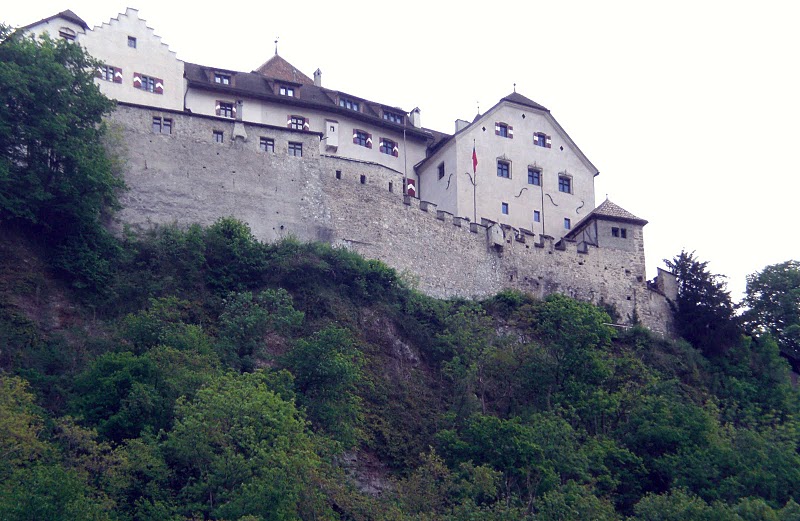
689 109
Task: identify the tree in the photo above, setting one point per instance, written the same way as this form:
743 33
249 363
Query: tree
55 174
704 312
773 299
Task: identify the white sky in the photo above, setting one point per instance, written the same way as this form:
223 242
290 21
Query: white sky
689 109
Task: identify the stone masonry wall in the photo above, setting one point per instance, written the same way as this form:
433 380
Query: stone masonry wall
186 177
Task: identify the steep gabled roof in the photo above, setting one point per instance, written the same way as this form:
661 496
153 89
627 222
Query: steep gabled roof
278 68
516 97
258 85
66 15
607 211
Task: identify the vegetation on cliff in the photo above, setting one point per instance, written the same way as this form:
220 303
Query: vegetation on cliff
200 374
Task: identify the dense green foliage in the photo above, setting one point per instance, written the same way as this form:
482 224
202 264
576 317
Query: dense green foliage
277 391
773 299
56 178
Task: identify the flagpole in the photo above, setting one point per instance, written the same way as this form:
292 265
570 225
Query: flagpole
474 184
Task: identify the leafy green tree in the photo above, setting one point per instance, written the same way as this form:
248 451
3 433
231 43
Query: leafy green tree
239 449
327 368
247 319
704 312
21 424
55 174
773 299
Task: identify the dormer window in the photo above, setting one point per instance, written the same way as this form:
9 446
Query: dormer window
222 79
393 117
285 90
131 42
349 104
67 33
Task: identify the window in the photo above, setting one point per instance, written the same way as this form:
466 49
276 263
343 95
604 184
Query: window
131 42
564 184
148 83
537 216
504 130
363 179
541 140
389 147
338 174
295 149
441 170
534 176
349 104
504 208
567 223
619 232
267 144
225 109
286 91
297 122
222 79
504 169
106 72
219 137
67 33
360 138
394 117
162 125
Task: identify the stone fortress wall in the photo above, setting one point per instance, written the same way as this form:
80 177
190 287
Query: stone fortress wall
186 177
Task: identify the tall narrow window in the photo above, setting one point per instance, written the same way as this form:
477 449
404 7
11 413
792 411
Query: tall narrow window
564 184
534 176
131 42
504 208
441 170
503 169
537 216
567 223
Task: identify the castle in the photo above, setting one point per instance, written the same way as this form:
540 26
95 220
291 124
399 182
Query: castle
506 201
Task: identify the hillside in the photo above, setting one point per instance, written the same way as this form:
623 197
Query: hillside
216 377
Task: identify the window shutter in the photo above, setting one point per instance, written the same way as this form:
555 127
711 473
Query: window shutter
510 132
98 73
369 140
137 80
159 86
289 121
395 151
306 124
355 137
117 75
497 129
547 142
217 107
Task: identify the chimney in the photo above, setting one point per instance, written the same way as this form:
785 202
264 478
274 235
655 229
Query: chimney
461 124
318 78
414 117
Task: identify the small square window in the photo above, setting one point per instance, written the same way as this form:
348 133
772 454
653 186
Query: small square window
565 184
266 144
297 122
615 232
286 91
537 216
504 208
441 170
222 79
389 147
567 223
534 176
162 125
106 72
147 83
295 149
360 138
541 140
225 109
219 137
504 169
131 42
